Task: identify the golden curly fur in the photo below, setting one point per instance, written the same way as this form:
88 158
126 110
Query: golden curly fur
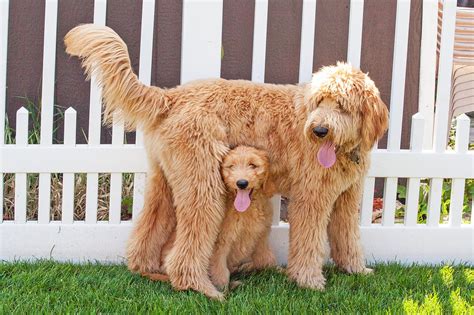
190 128
242 243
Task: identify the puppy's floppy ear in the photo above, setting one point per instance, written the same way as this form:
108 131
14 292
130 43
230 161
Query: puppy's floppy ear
268 187
374 119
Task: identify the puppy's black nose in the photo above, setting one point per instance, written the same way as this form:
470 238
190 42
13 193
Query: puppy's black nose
242 183
320 131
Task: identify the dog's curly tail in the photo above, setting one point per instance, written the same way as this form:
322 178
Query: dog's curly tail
104 55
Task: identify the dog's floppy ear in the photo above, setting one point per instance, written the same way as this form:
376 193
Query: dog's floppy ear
374 119
268 187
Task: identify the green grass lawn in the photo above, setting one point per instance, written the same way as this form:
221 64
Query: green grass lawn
45 287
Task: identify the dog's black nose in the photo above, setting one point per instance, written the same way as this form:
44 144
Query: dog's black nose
242 183
320 131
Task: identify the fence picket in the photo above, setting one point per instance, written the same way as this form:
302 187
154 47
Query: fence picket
95 115
396 104
307 40
47 103
413 185
259 40
67 215
434 202
201 40
458 184
20 178
276 205
367 201
116 178
356 18
398 75
146 54
426 97
389 201
443 92
3 82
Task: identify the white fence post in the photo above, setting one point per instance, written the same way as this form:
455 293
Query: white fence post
307 40
3 83
201 40
442 104
47 104
413 185
20 178
396 104
458 184
367 201
259 40
95 123
356 19
146 56
426 97
67 214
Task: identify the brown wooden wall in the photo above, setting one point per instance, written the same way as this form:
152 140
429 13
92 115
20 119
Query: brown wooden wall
25 47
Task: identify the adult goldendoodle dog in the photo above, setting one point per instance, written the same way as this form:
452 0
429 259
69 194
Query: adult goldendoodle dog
318 137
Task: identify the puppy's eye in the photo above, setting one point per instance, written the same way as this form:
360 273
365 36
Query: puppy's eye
231 166
252 166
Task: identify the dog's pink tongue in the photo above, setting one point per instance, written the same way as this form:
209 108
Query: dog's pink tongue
327 154
242 200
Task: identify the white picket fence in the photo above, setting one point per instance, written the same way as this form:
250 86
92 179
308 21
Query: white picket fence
201 58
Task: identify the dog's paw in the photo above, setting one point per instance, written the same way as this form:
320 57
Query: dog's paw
367 271
311 280
220 277
358 270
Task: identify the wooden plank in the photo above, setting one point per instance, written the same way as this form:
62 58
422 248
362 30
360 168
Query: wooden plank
201 40
259 40
331 32
443 92
283 41
237 38
307 41
72 88
413 185
3 82
458 184
47 103
378 47
356 18
67 215
20 178
167 43
25 53
367 202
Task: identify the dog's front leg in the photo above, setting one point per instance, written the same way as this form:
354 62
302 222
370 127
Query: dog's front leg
343 231
308 219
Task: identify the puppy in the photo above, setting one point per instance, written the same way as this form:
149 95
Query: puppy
242 243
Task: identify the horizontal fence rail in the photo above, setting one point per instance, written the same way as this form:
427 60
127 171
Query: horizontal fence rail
436 237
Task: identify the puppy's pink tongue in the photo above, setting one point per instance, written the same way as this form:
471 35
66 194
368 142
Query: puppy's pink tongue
242 200
327 154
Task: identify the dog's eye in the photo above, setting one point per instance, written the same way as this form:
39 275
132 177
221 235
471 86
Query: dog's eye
230 166
252 166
